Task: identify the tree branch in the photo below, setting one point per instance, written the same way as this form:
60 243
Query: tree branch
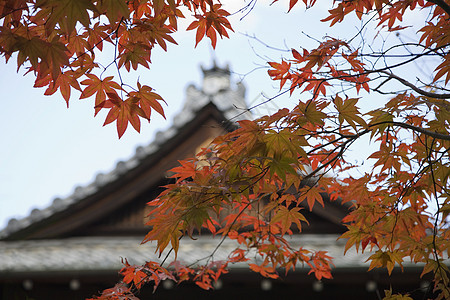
415 88
436 135
442 5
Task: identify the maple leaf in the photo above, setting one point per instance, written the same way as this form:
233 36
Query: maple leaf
186 169
13 9
114 9
56 57
282 167
281 72
120 292
211 22
66 13
317 86
321 265
64 82
133 274
77 44
96 35
264 270
155 32
166 229
353 236
286 217
349 112
98 87
390 296
283 141
382 119
443 69
352 59
311 194
123 112
386 259
134 54
336 15
385 158
148 100
311 113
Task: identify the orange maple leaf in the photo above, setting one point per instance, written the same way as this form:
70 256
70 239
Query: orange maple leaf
98 87
211 22
123 112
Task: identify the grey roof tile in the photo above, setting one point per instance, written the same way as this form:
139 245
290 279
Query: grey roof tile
106 253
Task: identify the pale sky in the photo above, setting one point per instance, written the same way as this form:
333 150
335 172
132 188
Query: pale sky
47 150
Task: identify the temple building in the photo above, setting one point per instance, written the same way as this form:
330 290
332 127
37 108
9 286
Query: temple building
73 249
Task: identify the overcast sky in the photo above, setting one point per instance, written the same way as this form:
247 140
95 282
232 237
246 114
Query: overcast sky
47 150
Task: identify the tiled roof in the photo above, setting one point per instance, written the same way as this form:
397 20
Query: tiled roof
230 101
105 253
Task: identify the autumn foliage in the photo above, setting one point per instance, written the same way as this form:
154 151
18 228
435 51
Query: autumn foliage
252 184
58 42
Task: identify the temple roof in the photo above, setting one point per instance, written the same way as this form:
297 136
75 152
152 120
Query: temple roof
225 101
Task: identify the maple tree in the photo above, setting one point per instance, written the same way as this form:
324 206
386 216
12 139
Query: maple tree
250 185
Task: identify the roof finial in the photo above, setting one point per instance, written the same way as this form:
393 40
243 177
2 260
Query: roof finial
215 79
215 70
